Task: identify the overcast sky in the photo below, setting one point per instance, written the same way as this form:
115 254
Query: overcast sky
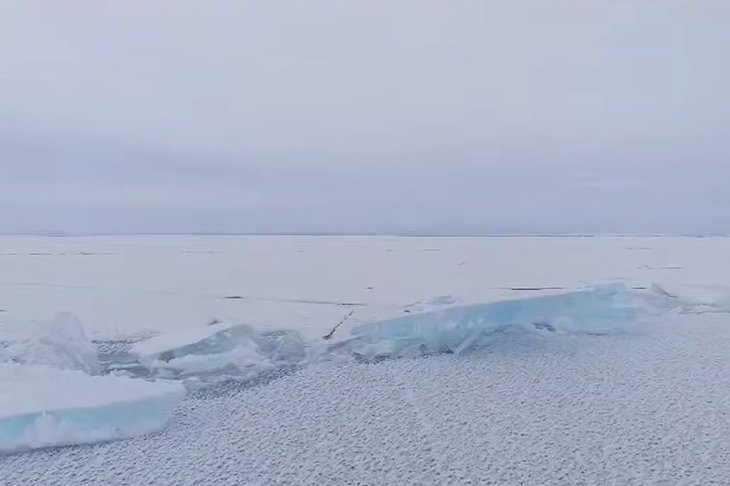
383 116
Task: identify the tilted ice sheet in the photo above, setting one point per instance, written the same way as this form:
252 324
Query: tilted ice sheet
691 298
213 338
219 351
595 310
61 343
41 406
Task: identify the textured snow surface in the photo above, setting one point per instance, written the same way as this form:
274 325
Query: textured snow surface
41 406
649 406
652 408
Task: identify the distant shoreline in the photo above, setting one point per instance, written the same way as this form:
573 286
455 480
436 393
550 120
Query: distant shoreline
375 235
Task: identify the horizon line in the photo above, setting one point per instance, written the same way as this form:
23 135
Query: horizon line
70 234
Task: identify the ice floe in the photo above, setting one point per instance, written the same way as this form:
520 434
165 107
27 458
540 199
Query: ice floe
594 310
42 406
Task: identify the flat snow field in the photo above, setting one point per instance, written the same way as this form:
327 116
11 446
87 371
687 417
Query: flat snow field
646 406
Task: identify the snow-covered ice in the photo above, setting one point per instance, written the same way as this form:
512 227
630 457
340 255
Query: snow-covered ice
120 286
42 406
578 405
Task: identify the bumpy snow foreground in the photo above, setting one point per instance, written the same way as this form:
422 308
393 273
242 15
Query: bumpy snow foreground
578 405
41 406
636 409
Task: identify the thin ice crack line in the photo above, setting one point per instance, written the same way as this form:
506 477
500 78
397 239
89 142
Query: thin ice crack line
437 448
186 294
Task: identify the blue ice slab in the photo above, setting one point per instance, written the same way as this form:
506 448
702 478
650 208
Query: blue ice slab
43 406
598 309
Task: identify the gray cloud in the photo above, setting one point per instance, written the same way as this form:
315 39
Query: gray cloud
354 116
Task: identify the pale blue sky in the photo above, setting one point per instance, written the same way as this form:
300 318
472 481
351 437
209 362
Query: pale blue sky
365 116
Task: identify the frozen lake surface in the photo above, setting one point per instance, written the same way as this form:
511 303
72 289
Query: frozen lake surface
127 285
647 406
